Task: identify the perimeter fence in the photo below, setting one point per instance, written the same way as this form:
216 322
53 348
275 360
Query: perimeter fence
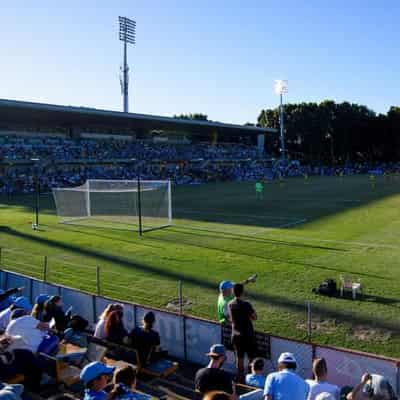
184 336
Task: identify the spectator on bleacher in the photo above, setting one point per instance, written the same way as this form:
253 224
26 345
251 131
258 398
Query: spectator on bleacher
242 315
99 330
114 327
38 307
372 386
95 377
124 385
225 296
319 384
5 315
53 310
256 378
76 332
14 361
146 340
285 384
11 392
6 297
213 377
31 332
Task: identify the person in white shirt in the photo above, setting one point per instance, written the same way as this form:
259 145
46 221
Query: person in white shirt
30 330
319 384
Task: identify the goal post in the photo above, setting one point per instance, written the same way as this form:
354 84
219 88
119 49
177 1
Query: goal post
140 205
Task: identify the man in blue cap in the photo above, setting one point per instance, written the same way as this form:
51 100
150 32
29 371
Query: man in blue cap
96 376
18 303
226 295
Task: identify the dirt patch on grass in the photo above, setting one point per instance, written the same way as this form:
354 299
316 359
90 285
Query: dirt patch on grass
320 325
371 334
174 305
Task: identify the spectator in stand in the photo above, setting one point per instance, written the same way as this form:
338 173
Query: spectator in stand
124 385
95 377
225 296
114 327
15 361
38 308
146 340
285 384
99 330
212 377
372 386
53 309
6 297
76 332
242 315
31 332
319 384
256 378
5 315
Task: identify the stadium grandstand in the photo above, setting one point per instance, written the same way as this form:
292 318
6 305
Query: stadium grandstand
76 143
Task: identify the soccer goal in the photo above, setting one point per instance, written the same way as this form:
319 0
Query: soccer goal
122 204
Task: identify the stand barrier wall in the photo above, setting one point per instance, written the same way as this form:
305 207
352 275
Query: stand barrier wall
190 338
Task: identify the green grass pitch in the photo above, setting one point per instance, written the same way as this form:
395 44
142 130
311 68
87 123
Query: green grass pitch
300 233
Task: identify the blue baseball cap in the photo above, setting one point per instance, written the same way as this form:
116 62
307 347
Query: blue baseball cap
94 370
224 285
22 302
217 350
42 298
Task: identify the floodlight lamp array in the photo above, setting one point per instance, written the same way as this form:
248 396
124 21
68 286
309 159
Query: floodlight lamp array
127 30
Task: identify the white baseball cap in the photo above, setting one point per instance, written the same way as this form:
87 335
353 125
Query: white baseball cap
287 358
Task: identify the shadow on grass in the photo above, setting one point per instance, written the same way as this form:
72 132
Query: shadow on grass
275 300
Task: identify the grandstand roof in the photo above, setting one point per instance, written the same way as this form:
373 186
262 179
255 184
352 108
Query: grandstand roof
40 114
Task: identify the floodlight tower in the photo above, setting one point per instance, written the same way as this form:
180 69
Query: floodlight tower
127 34
281 87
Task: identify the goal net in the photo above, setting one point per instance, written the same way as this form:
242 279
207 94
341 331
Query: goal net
116 204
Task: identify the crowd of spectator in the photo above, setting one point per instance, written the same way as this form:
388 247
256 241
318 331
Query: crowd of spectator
70 162
31 334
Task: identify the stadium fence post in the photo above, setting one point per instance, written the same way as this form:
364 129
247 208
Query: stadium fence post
1 250
180 297
45 269
309 327
98 280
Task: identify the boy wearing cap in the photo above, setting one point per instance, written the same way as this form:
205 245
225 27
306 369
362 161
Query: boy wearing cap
95 376
213 377
285 384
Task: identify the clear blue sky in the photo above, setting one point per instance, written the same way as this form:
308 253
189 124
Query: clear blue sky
216 57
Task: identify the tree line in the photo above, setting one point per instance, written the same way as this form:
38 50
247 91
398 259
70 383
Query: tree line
333 132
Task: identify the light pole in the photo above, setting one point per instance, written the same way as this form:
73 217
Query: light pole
37 192
127 34
281 87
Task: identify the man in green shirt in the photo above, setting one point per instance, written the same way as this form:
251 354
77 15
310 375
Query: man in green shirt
225 296
259 190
